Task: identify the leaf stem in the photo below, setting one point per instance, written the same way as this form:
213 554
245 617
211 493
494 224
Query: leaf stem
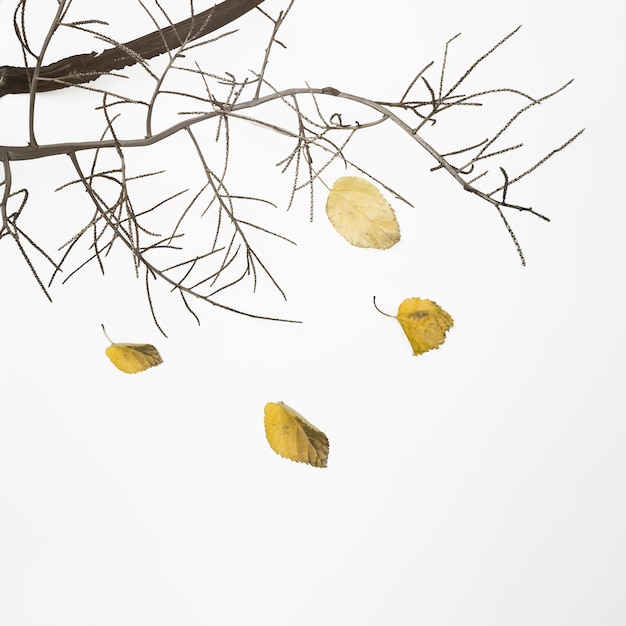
105 334
382 312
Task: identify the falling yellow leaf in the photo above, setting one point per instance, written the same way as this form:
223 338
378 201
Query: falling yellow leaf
293 437
132 357
424 323
361 215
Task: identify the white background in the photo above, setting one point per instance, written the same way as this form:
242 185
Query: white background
482 483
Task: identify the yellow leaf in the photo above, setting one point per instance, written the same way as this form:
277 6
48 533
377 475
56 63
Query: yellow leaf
132 357
293 437
361 215
424 323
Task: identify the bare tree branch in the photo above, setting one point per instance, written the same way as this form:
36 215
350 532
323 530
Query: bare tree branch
198 239
83 68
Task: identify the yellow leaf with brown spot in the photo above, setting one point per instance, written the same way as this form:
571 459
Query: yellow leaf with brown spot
293 437
133 357
424 323
361 215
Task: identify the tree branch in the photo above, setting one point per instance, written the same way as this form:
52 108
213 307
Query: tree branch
83 68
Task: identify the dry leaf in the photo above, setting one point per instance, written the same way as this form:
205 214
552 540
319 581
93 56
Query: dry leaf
424 323
361 215
293 437
132 357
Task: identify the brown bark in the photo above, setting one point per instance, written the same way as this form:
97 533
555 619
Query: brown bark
83 68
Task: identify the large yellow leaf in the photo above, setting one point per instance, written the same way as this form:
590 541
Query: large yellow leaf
361 215
424 323
132 357
293 437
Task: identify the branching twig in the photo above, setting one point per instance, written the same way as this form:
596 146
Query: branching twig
319 130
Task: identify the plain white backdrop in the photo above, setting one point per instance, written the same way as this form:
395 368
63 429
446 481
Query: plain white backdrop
479 484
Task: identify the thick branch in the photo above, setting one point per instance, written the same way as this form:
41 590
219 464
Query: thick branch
83 68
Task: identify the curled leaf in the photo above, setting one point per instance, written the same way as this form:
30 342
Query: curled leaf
424 323
132 357
361 215
293 437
